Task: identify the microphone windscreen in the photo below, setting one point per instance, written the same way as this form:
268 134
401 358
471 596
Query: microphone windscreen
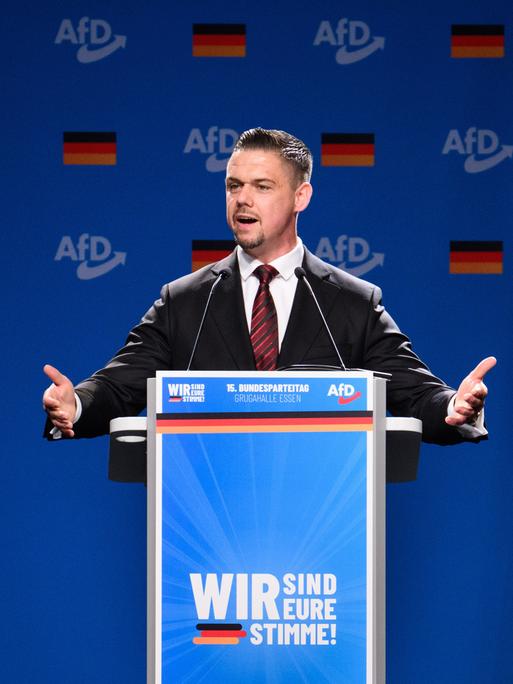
300 272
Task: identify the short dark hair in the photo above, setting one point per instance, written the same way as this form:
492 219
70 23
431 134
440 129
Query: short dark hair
291 149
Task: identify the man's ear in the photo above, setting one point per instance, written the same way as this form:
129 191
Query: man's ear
303 196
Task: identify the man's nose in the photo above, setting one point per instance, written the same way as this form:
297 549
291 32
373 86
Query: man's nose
245 196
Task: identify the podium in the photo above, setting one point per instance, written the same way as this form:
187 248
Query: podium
266 527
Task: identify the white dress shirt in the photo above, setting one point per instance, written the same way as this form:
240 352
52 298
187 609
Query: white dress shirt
282 286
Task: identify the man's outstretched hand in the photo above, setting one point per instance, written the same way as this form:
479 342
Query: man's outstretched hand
59 401
470 397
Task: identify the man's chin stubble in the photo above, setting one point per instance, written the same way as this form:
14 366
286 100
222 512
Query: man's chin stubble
249 243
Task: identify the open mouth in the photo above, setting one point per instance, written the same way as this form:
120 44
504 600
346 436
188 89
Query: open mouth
246 220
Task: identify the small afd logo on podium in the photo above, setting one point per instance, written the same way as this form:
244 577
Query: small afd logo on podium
345 392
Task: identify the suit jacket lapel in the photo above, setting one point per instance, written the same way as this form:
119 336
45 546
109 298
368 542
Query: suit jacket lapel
227 311
305 322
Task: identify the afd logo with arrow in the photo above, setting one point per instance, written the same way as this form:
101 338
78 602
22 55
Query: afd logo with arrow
352 254
94 36
94 254
216 144
345 392
352 37
480 146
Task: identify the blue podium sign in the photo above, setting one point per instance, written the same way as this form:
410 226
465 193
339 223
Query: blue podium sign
266 557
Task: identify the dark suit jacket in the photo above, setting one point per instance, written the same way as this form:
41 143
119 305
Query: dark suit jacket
365 333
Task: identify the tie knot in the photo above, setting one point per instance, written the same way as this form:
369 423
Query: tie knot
265 273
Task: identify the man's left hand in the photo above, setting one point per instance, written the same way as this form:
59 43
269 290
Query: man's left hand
470 397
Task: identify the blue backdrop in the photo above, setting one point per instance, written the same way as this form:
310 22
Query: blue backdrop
86 247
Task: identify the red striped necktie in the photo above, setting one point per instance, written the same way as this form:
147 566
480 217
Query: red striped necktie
264 322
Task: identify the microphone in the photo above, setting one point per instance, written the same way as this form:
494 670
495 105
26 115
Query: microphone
301 275
223 275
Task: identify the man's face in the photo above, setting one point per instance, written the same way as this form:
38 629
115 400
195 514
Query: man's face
262 203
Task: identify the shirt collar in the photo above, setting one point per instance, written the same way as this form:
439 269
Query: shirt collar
285 264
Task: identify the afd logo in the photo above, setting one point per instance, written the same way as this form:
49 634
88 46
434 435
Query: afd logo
352 254
94 37
481 147
353 38
93 252
217 144
345 392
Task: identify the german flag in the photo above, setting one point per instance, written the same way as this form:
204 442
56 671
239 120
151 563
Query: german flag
277 421
478 256
347 149
219 40
209 251
96 149
477 40
215 634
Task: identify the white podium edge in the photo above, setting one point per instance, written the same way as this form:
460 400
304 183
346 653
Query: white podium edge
376 537
153 547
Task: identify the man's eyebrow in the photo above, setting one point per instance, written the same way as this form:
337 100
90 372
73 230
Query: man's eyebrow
263 180
253 180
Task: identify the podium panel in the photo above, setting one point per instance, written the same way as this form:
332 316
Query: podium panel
266 527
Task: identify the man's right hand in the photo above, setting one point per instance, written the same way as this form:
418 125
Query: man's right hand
59 401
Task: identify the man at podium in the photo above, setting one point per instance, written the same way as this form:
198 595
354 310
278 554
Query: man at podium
270 304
